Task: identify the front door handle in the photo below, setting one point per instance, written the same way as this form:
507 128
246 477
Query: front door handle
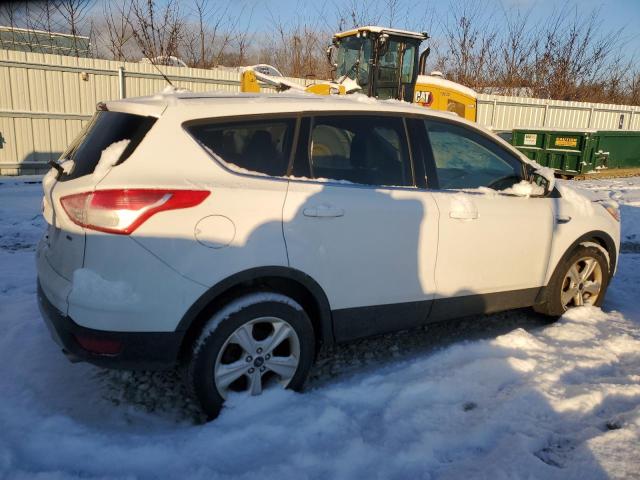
323 211
560 219
464 214
463 207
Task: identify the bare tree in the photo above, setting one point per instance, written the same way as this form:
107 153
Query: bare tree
73 15
156 30
210 35
516 48
298 48
119 33
573 54
243 41
470 55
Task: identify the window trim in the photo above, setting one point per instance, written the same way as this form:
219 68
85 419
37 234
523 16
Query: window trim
360 113
421 162
417 132
430 163
410 152
294 146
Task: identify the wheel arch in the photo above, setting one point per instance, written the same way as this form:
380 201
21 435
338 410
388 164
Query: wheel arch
595 236
288 281
596 239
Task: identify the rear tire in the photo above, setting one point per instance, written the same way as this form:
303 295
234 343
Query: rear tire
257 341
580 279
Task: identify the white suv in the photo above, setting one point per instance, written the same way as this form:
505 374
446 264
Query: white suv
235 234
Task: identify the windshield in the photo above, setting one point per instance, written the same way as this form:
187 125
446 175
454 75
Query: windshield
353 59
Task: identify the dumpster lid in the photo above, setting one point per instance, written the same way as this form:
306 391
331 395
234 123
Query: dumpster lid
556 129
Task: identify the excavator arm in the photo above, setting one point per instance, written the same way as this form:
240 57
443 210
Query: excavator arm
252 76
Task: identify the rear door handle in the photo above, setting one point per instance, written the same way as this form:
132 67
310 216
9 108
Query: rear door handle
323 211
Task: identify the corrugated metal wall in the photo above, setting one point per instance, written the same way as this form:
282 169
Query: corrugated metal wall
46 99
506 113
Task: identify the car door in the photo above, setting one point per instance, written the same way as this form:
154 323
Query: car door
493 245
357 224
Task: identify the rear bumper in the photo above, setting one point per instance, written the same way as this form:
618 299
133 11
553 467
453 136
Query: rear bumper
138 350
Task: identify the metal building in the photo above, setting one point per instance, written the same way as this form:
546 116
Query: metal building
39 41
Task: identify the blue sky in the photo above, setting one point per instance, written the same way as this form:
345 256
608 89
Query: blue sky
614 14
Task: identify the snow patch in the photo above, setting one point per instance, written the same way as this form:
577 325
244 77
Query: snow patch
349 84
67 165
110 157
524 189
172 90
238 305
89 289
461 206
548 173
579 201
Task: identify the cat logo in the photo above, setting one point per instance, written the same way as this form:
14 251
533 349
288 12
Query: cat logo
424 98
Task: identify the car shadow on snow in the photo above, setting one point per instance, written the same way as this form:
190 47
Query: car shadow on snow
360 355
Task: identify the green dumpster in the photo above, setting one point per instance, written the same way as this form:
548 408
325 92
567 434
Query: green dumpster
619 149
572 152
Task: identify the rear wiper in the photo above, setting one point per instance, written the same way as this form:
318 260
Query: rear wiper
57 167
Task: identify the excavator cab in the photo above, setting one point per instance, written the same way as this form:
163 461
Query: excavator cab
382 61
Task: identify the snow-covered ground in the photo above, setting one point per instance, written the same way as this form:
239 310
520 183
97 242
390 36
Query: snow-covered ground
499 397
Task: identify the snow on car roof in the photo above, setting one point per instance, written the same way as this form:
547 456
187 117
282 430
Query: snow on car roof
198 105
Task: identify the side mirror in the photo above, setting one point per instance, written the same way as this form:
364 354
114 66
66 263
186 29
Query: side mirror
383 44
541 181
330 49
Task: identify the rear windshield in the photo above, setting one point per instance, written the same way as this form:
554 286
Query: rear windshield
104 129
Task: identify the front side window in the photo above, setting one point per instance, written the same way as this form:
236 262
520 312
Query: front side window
466 159
353 59
261 146
408 62
388 61
360 149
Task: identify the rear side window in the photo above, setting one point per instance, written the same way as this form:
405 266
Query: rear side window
261 146
360 149
104 129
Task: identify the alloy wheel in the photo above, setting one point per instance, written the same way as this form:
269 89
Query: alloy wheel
261 352
582 283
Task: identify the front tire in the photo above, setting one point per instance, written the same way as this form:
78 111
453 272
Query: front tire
257 341
580 279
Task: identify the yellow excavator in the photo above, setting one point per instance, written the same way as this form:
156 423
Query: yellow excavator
380 62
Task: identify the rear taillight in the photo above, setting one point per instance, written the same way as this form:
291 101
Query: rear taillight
122 211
